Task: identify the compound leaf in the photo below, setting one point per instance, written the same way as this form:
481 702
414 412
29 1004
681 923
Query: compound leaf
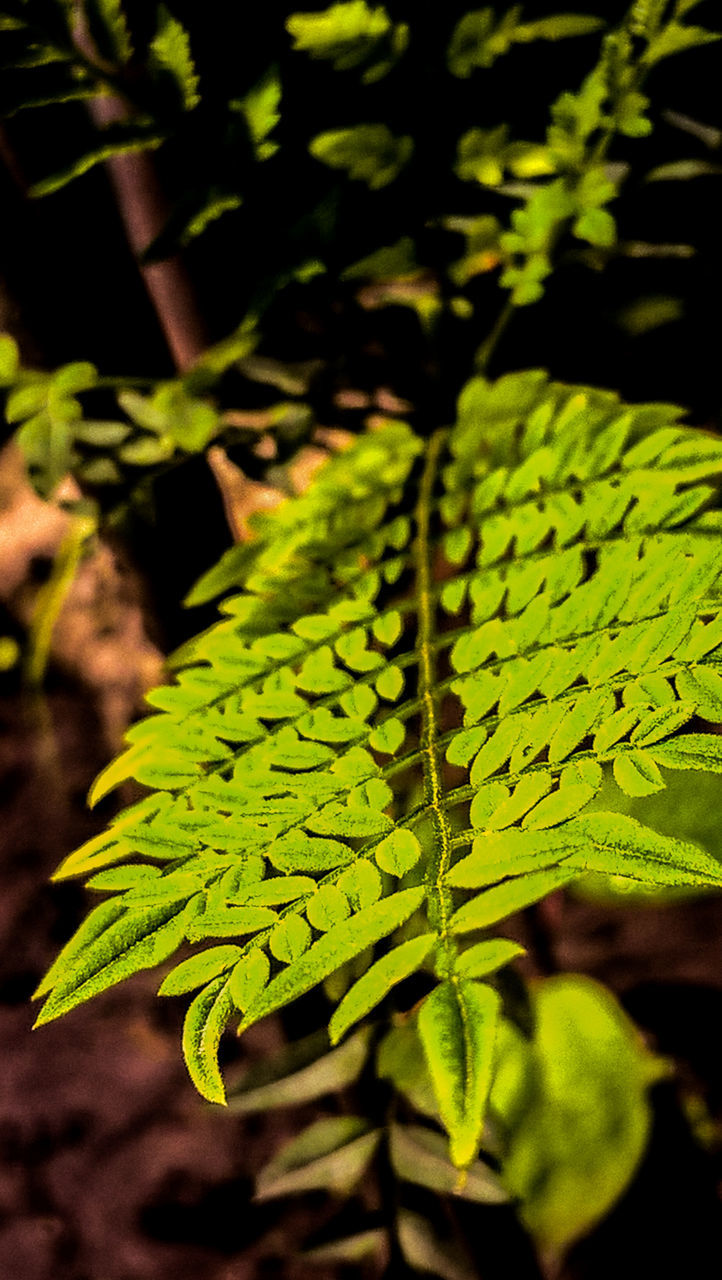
363 697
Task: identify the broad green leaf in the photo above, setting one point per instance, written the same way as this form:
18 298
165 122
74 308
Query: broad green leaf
233 922
371 988
662 723
388 737
277 890
688 811
457 1026
613 844
248 978
361 883
618 845
692 751
390 683
525 796
290 938
328 907
559 806
578 1126
100 919
299 852
509 853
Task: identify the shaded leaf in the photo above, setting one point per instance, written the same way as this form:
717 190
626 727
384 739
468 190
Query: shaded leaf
457 1025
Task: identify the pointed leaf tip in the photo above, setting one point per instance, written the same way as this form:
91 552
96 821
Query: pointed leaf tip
204 1024
457 1025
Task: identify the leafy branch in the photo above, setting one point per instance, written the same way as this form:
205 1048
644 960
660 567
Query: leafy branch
565 561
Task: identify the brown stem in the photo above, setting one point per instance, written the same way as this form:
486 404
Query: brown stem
144 211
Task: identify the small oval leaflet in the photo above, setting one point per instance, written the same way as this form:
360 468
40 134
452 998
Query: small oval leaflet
398 852
290 938
486 957
328 906
248 978
198 970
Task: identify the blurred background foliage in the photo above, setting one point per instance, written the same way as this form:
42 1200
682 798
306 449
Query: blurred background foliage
352 201
348 187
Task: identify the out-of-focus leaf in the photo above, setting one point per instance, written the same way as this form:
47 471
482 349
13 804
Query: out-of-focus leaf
650 313
482 36
676 37
109 30
352 1249
683 170
368 153
400 1059
171 52
692 813
331 1155
576 1109
301 1073
351 34
115 140
425 1252
390 263
261 109
420 1156
9 360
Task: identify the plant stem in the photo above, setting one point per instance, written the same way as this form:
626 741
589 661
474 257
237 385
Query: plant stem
490 343
439 897
144 212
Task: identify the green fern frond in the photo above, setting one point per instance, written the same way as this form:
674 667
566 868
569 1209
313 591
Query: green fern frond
406 714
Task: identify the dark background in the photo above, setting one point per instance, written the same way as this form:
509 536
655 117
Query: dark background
113 1169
